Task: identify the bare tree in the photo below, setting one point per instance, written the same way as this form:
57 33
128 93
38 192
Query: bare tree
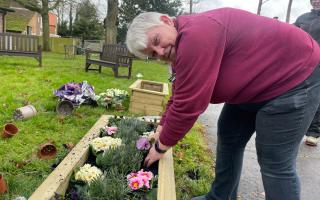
70 16
261 2
191 4
43 7
110 22
289 11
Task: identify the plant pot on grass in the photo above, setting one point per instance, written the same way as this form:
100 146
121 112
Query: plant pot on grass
3 185
9 130
47 151
24 112
65 108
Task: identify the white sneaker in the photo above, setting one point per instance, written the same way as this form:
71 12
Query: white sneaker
312 141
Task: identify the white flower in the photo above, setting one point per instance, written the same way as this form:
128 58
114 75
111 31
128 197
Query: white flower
105 143
88 173
116 92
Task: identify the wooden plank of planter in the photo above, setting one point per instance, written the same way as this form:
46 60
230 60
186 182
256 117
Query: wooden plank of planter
145 111
148 101
146 95
166 182
58 180
137 87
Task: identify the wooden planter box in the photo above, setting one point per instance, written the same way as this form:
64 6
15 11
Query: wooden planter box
58 180
148 97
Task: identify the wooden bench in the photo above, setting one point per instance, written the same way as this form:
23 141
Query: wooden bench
12 44
113 56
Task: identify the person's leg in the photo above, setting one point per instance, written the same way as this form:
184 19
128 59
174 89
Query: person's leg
313 133
235 127
280 127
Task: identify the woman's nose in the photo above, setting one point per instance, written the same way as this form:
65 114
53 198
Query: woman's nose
159 50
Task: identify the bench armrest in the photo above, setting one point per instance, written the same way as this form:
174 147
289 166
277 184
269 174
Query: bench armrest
119 57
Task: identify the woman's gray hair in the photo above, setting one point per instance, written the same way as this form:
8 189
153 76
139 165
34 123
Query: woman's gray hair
137 39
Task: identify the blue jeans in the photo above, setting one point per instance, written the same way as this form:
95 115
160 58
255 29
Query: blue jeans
280 125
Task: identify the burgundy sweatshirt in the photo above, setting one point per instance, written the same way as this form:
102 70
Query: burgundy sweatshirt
233 56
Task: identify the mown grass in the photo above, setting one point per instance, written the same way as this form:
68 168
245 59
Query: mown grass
24 82
193 165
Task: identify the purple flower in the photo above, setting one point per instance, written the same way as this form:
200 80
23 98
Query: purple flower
143 144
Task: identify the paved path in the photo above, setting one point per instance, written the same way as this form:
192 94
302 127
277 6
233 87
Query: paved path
250 187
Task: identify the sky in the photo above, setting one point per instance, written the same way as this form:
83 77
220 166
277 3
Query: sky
271 8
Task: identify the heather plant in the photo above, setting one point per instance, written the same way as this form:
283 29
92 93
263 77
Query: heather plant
117 159
112 185
137 125
129 130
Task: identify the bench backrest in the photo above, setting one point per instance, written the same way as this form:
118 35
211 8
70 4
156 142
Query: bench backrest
111 52
12 42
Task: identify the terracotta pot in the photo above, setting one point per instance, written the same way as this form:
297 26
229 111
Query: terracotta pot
3 185
24 112
9 130
47 151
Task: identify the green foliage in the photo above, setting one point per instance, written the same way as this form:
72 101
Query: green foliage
87 25
112 186
131 8
138 126
117 159
63 29
129 129
193 165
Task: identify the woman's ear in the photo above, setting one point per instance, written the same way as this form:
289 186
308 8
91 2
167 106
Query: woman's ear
167 20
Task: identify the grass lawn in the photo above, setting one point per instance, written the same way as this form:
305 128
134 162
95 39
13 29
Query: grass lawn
24 82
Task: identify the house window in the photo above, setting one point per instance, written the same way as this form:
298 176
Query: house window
29 30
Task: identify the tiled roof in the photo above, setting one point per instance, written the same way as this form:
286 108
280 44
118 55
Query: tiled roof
18 20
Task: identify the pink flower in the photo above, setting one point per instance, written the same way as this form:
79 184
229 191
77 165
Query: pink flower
111 130
146 175
132 175
143 144
136 183
139 179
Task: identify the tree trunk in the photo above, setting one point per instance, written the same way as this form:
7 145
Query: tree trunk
111 20
191 2
70 18
259 7
45 25
289 11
